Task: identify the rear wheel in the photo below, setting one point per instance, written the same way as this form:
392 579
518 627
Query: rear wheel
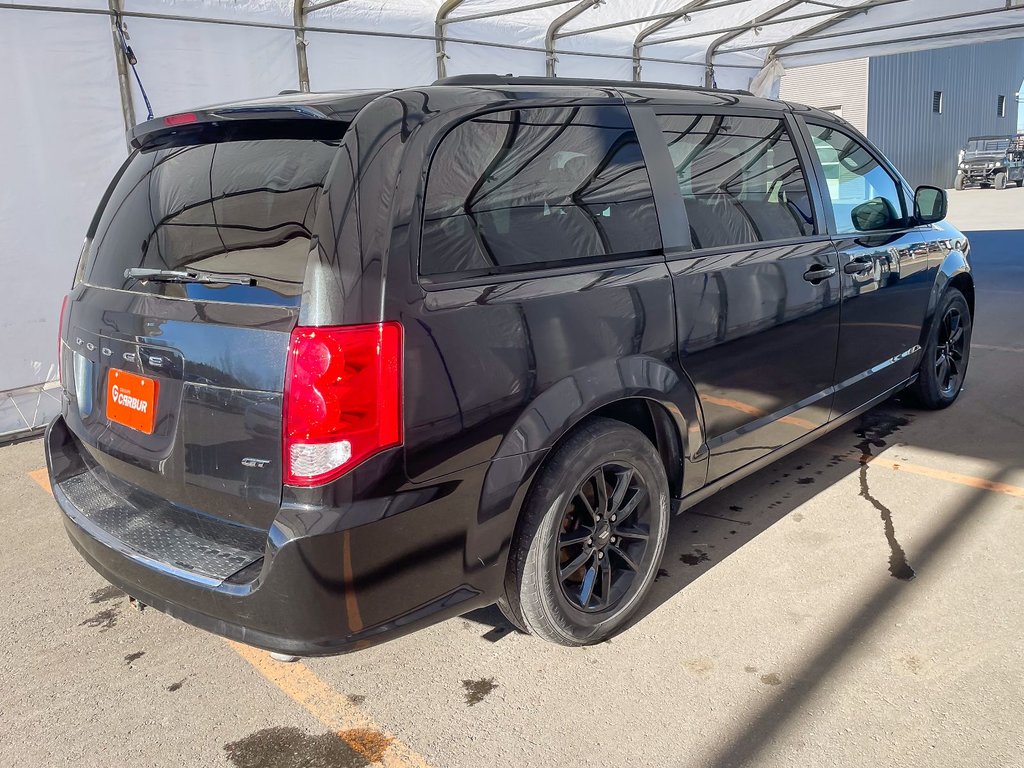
945 357
958 182
591 536
1000 181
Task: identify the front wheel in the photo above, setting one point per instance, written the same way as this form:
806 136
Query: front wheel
1000 181
1020 183
958 182
591 536
946 354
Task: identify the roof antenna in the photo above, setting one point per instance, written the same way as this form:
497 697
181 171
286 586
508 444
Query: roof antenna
129 55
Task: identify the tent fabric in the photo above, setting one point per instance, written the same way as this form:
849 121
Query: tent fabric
64 136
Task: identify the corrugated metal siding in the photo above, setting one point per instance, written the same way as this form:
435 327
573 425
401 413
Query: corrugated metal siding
922 144
841 84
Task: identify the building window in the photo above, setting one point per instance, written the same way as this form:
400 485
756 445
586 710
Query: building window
938 102
1001 106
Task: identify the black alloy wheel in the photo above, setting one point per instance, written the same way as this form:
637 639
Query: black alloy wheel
949 352
605 533
946 354
590 536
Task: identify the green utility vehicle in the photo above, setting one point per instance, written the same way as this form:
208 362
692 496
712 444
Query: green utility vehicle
991 161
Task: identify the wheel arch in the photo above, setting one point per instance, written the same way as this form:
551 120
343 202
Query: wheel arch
657 399
954 272
646 393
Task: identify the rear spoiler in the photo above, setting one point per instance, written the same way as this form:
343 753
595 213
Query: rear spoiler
319 121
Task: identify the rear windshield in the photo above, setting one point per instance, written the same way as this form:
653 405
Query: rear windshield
242 208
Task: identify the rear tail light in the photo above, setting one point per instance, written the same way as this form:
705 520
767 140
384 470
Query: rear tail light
60 343
342 399
184 118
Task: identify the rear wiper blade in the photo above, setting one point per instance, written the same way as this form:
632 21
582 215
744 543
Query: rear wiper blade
185 276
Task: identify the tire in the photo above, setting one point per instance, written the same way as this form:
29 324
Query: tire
1020 183
1000 181
586 605
958 182
944 365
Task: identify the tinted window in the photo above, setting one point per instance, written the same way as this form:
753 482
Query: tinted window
740 179
237 208
537 187
864 196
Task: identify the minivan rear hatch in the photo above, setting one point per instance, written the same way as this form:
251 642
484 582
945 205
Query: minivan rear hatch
175 344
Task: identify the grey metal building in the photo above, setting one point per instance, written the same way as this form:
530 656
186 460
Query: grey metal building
920 108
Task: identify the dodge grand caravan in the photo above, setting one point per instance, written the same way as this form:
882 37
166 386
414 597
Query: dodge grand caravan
339 366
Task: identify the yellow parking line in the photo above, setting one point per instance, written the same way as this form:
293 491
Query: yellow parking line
950 477
333 709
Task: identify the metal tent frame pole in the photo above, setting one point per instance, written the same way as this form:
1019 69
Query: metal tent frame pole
966 34
124 86
553 31
666 20
638 42
299 18
709 56
441 20
814 35
831 11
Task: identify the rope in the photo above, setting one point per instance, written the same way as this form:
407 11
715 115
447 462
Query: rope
130 57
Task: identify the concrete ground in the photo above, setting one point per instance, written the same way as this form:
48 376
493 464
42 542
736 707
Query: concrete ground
824 611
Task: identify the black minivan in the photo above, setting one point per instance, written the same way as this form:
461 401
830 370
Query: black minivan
339 366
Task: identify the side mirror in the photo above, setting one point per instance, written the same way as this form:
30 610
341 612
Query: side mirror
930 205
874 215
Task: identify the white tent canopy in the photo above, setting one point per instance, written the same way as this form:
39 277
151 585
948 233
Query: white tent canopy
69 92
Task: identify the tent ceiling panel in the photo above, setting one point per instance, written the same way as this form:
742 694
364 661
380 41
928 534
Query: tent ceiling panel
796 21
739 33
265 11
336 61
915 19
98 5
409 17
199 49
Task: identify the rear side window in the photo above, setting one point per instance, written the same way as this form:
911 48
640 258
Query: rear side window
740 179
532 188
238 208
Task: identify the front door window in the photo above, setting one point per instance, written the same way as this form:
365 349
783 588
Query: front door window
865 197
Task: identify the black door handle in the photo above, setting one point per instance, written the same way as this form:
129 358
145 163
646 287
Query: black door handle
859 266
819 272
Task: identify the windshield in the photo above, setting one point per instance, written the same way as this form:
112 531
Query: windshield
989 146
233 208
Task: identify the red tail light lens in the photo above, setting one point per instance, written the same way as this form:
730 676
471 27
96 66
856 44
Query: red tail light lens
181 119
60 346
342 399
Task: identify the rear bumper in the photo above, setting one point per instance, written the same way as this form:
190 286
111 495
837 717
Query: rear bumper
322 587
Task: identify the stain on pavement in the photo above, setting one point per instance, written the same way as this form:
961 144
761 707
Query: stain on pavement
478 690
293 748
